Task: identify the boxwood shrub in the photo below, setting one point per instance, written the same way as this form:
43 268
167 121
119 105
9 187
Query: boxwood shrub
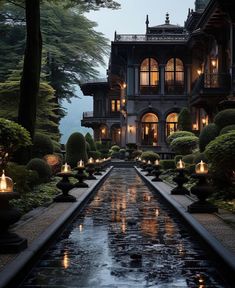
208 133
221 154
178 134
224 118
227 129
149 155
184 145
167 164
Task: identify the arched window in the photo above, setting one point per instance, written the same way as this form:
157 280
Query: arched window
174 76
149 129
149 77
171 123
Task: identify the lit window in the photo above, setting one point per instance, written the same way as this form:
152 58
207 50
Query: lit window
174 76
118 105
149 76
171 123
113 106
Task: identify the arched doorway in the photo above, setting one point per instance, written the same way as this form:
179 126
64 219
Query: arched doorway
171 123
103 132
116 135
149 129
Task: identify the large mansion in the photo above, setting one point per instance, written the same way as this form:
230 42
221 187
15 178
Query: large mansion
152 76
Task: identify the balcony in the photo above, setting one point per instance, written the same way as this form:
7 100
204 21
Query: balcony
167 37
210 89
91 121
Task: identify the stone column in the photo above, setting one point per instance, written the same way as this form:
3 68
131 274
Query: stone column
162 78
188 78
136 79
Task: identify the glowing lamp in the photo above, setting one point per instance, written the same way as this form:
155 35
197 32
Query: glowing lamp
180 164
91 160
149 162
201 168
194 126
97 161
6 183
65 168
124 85
157 162
80 164
203 121
213 62
199 72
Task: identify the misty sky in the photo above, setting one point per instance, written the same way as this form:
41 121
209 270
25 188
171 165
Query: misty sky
130 19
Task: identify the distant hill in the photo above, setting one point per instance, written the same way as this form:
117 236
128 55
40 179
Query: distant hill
72 122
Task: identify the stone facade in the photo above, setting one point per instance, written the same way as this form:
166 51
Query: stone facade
152 76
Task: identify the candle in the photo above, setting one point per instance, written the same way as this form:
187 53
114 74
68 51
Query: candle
81 164
157 162
149 162
90 160
180 164
201 168
65 168
6 183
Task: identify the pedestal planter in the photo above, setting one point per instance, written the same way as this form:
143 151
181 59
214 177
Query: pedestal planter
90 169
202 190
80 176
9 242
156 172
149 169
180 180
65 186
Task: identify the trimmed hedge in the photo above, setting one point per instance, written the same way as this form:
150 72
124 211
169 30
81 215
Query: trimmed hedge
94 154
221 154
149 155
41 167
189 159
208 133
184 145
227 129
178 134
225 118
185 120
167 164
42 145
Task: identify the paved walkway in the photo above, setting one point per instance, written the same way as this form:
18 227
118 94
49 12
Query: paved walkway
218 229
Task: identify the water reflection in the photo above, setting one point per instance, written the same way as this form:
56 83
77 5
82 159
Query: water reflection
125 237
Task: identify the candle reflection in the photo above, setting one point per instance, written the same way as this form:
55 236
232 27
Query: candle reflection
80 227
66 260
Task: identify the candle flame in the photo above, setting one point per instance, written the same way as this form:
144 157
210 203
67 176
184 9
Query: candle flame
66 167
181 163
81 163
202 167
3 182
157 162
90 160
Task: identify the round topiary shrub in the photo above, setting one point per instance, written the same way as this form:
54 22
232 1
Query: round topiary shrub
221 155
12 137
41 167
178 134
76 149
42 145
136 153
88 147
184 145
185 120
149 155
91 141
115 148
208 133
225 118
227 129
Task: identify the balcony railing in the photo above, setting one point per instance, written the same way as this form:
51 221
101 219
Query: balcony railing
211 83
88 114
153 38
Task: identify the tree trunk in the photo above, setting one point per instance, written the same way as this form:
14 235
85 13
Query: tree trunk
29 86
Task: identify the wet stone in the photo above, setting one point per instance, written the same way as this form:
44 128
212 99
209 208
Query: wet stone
125 237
